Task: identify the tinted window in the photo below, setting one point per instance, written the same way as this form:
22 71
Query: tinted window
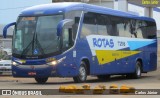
75 16
117 26
133 28
70 29
102 24
89 25
150 30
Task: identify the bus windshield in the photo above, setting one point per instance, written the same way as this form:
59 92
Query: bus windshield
36 36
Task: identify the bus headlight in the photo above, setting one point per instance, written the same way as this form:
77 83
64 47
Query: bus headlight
14 63
55 62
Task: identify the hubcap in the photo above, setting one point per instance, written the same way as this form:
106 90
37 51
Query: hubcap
82 73
138 71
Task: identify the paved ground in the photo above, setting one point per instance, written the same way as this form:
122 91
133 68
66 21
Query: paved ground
150 80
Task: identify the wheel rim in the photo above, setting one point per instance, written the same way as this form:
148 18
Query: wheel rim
82 73
138 71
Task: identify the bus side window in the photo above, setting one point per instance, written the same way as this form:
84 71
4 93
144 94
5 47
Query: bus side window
138 29
151 30
73 26
133 28
123 27
112 26
101 24
65 38
89 25
148 29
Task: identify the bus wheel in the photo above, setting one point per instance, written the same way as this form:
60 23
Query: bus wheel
138 70
82 74
137 73
103 77
41 80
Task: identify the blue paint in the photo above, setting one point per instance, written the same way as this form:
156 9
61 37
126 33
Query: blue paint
60 26
70 66
6 27
102 42
57 8
133 45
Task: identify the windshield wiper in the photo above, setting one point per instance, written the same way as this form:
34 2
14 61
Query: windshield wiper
32 43
26 49
38 45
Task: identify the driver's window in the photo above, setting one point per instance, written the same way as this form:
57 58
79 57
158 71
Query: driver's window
65 39
75 16
18 40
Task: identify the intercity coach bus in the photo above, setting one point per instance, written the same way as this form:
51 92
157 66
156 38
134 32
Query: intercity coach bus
78 39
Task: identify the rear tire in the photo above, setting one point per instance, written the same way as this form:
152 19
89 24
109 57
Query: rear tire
82 76
41 80
137 73
103 77
138 70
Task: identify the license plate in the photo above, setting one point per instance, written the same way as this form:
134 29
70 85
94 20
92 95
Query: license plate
32 73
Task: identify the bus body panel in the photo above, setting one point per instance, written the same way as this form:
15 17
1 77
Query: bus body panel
69 67
55 8
113 57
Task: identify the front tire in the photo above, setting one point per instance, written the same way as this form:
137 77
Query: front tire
82 76
41 80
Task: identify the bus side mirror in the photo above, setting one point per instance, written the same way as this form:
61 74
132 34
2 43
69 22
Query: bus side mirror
61 24
6 28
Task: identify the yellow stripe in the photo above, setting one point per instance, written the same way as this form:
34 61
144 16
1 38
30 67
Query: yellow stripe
22 61
106 56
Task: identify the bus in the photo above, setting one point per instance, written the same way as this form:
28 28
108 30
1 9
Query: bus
77 39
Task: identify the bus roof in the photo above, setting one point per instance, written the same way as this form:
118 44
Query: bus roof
57 8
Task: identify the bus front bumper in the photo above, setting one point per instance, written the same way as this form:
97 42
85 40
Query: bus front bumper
44 71
33 71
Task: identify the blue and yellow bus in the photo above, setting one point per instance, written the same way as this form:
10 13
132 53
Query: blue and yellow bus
78 39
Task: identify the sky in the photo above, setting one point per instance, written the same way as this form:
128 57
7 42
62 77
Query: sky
9 9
